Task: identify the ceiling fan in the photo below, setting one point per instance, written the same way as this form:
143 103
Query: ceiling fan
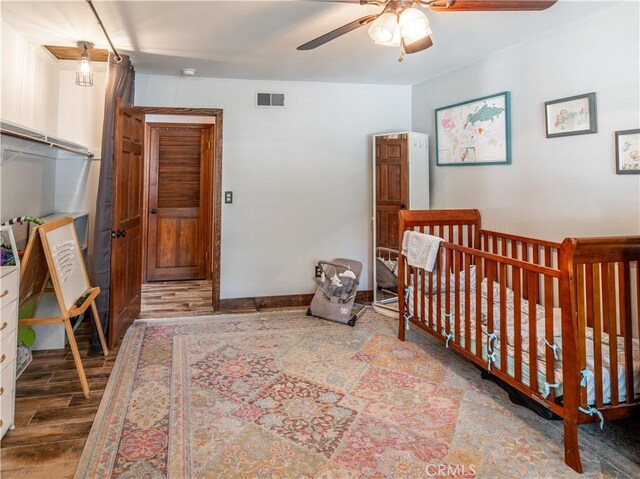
402 23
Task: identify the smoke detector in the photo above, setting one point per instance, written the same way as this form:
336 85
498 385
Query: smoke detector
189 72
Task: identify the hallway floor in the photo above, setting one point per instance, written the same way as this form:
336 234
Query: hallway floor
172 299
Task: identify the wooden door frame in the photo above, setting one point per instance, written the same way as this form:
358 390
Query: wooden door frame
206 176
216 165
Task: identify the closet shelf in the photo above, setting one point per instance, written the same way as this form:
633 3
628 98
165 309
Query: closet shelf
19 140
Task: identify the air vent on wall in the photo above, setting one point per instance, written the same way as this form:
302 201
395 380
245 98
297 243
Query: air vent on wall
270 100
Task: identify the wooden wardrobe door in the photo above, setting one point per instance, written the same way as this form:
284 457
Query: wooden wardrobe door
179 202
126 243
392 189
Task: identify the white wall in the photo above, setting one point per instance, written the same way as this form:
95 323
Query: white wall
29 83
40 92
555 187
301 176
29 97
80 120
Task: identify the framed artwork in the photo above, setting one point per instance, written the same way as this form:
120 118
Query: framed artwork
628 152
475 132
575 115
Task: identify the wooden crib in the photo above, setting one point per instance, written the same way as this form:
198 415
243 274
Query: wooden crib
558 322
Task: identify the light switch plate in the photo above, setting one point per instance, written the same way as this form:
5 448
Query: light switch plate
228 197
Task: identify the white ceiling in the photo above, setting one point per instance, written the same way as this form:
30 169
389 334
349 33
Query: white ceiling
258 39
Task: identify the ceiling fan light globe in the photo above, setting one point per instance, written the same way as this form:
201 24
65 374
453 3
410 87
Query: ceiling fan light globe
396 39
383 28
414 25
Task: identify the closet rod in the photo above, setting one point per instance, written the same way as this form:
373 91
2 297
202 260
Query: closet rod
49 143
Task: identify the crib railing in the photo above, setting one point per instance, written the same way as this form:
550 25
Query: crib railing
456 312
584 291
604 279
530 250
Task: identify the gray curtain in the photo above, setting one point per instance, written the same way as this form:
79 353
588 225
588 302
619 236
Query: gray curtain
120 84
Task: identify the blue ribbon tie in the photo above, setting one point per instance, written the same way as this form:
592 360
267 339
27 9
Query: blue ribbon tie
591 411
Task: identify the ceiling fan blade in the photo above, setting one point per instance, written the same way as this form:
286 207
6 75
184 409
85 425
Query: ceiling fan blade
417 46
338 32
490 5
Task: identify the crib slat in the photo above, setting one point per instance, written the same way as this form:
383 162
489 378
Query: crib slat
467 301
525 277
549 332
597 335
533 336
430 290
423 297
494 249
624 282
490 276
503 317
479 276
638 300
613 337
547 256
514 249
456 274
581 327
416 305
470 237
447 290
517 323
439 274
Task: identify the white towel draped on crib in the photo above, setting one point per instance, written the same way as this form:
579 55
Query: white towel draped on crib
420 249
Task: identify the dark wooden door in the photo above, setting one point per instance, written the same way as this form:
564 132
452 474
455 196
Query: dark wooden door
392 189
126 242
179 215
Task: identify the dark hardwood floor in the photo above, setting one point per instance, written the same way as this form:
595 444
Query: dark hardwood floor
53 419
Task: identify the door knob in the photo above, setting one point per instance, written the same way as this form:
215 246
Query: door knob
153 211
120 233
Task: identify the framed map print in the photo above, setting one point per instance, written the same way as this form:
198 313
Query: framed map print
476 132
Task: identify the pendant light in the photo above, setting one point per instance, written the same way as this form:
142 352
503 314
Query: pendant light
84 75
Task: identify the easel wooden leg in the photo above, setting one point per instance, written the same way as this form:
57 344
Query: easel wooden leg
96 318
76 357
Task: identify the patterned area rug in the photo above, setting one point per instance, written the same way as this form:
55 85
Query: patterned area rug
281 395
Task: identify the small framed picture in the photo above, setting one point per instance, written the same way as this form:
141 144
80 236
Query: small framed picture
628 152
575 115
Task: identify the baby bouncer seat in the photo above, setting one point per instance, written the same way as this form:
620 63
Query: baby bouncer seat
335 298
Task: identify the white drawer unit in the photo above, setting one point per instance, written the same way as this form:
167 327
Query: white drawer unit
8 346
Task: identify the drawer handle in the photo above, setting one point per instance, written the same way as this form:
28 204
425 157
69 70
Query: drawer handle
1 391
6 292
2 358
4 325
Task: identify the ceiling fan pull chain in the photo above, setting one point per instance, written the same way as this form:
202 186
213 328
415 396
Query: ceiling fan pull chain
401 57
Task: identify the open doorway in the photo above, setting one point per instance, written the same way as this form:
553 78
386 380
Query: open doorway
182 204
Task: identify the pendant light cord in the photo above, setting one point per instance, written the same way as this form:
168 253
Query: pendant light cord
118 58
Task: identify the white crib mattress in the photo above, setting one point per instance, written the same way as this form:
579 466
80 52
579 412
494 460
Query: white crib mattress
542 344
